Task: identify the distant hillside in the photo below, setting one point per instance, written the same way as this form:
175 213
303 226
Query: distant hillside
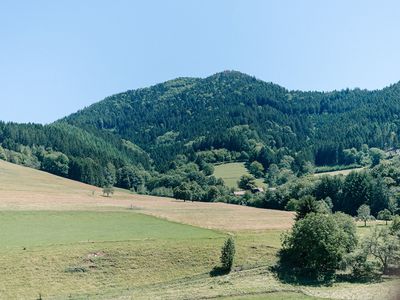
156 139
232 110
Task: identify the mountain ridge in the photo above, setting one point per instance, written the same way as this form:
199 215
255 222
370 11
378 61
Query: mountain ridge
147 132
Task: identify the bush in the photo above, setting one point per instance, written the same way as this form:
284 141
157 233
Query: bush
385 215
228 254
316 247
395 227
359 266
384 246
163 191
292 205
108 190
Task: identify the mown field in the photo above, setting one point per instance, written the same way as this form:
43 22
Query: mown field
231 173
338 172
63 240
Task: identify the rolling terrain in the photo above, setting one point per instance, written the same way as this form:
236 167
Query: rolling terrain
154 130
62 239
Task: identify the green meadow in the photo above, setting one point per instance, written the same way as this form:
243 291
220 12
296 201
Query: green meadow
47 228
88 253
95 247
231 173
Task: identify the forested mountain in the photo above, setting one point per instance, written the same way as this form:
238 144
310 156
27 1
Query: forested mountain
232 110
165 139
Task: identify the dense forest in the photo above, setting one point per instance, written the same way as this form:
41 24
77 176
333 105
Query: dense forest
165 139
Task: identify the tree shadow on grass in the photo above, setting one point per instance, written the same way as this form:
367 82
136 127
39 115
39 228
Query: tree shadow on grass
218 271
291 276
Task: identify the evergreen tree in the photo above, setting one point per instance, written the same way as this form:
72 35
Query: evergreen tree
228 254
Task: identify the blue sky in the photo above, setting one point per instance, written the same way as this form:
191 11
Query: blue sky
59 56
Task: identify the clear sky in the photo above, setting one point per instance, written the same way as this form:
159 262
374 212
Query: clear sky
59 56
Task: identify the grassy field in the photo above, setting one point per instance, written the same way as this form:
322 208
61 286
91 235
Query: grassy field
231 173
63 240
41 228
338 172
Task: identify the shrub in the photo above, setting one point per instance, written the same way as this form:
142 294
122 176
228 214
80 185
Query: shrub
108 190
359 266
385 215
228 254
384 247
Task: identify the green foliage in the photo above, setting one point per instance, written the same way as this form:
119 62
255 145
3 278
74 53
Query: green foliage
208 169
204 114
247 182
228 254
364 213
323 207
376 156
129 177
292 205
56 163
359 266
384 246
395 226
356 191
305 206
108 190
183 192
226 117
256 169
3 155
385 215
316 247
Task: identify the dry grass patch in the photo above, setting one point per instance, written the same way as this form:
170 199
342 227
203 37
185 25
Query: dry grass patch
27 189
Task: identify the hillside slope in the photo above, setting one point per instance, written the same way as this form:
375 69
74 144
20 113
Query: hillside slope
23 188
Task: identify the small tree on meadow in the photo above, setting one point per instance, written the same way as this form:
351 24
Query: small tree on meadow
382 244
385 215
364 213
395 227
108 190
228 254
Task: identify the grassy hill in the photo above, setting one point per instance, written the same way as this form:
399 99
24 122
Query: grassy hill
231 173
62 239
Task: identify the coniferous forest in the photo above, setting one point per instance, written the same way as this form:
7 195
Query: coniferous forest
165 139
